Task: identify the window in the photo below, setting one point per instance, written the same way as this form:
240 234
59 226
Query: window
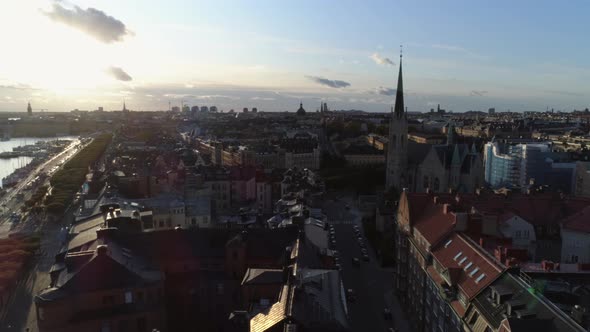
123 325
128 297
473 319
106 327
425 182
480 278
108 300
140 297
436 184
193 221
141 324
574 258
517 235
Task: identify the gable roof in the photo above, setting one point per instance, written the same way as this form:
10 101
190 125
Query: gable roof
102 272
474 269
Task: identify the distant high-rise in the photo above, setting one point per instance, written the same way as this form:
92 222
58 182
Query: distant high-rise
491 111
213 109
245 110
29 109
254 110
204 109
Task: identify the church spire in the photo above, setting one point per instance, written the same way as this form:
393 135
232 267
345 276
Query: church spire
399 96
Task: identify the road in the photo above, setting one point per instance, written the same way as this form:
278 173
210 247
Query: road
21 314
10 203
372 284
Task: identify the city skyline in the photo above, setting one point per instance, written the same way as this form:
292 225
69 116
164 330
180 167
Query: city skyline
85 54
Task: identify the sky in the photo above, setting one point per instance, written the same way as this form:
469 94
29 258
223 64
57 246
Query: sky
463 55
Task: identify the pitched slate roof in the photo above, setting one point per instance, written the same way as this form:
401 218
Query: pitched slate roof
262 277
516 291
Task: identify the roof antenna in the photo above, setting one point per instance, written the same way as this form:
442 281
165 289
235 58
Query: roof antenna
401 51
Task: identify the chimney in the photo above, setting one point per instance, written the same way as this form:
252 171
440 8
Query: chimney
461 219
446 208
104 233
101 250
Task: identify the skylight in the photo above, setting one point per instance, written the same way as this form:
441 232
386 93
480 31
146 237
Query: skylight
468 265
480 278
458 255
448 242
462 260
474 271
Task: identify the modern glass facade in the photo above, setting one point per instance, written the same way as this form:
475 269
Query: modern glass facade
519 165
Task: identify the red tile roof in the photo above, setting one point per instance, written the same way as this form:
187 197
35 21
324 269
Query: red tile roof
434 224
579 222
478 263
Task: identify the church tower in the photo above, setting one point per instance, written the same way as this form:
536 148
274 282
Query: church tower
29 109
397 149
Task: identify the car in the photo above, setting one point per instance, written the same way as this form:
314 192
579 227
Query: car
356 261
366 257
364 251
347 207
387 314
350 296
338 267
392 329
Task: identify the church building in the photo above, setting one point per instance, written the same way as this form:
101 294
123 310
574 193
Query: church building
418 167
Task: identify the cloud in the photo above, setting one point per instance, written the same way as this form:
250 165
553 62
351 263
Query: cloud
449 47
380 60
17 86
564 93
384 91
337 84
119 74
91 21
477 93
262 98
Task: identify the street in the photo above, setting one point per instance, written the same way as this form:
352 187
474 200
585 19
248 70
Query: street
10 203
372 284
21 313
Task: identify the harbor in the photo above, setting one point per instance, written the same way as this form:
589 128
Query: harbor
18 158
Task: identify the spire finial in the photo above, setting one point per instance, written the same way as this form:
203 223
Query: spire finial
401 51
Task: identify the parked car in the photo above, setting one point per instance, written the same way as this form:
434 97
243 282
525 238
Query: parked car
387 314
366 257
350 296
356 261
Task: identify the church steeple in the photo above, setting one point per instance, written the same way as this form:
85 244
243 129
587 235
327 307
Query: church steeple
399 96
397 148
29 109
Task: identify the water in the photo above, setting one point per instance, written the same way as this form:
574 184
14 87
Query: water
7 166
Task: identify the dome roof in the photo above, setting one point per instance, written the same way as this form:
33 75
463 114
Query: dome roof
300 111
